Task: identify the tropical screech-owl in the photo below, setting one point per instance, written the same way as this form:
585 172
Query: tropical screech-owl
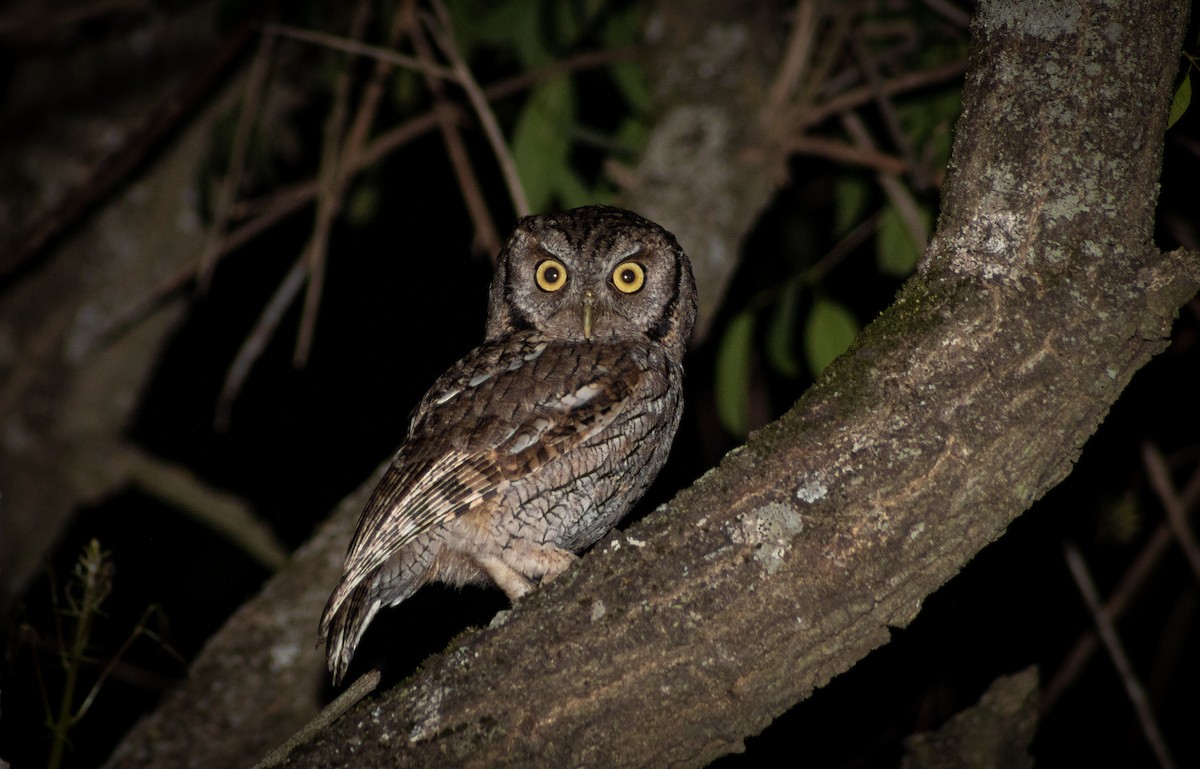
539 440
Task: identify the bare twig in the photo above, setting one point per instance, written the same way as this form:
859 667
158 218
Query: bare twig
1160 481
443 33
487 238
227 191
833 40
329 198
332 712
34 22
887 110
580 61
256 342
845 153
358 48
1131 582
1116 652
843 248
1127 588
950 12
796 57
859 96
899 195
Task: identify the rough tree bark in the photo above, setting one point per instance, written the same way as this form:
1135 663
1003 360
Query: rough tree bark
1038 299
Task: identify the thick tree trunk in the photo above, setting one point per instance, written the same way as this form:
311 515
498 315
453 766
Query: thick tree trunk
1038 299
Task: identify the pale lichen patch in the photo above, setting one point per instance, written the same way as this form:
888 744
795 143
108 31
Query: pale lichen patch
770 530
811 490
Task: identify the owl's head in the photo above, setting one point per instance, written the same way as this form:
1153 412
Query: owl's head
593 273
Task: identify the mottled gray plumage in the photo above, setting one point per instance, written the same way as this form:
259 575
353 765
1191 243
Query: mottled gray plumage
539 440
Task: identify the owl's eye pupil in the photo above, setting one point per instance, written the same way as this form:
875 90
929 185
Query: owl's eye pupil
551 274
628 276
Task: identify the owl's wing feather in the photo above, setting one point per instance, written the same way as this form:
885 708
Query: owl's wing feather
433 479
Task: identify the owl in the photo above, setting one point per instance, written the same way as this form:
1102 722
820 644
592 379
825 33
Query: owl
538 441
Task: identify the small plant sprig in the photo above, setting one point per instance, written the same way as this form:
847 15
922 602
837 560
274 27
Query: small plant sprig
83 599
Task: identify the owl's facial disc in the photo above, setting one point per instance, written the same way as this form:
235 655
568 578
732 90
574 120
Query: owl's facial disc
589 301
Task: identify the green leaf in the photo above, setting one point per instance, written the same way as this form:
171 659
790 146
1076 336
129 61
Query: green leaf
541 144
781 333
1181 100
896 252
733 374
829 331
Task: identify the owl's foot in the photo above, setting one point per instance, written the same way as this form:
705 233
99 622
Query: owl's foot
512 582
512 574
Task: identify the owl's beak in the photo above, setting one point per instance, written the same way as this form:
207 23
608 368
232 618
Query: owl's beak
588 300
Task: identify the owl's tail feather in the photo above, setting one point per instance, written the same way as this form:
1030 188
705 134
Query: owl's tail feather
343 625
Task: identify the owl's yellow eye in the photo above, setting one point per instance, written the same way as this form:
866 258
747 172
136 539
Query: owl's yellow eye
551 275
629 277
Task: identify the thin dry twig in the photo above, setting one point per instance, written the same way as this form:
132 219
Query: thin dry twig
487 236
857 97
443 34
1160 481
332 712
899 195
252 349
796 58
1127 588
846 153
843 248
227 191
870 70
329 199
950 12
359 48
1116 652
30 23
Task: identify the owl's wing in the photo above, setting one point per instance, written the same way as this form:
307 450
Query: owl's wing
437 477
